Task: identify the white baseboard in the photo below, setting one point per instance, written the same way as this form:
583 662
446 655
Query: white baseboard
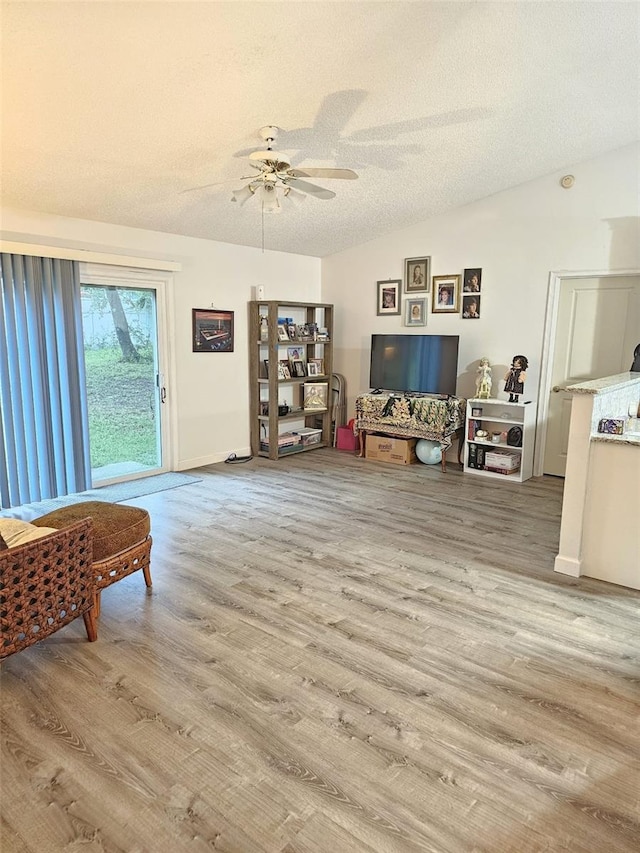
200 462
567 566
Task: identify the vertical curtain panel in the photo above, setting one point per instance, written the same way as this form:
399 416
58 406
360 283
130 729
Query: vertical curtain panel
44 424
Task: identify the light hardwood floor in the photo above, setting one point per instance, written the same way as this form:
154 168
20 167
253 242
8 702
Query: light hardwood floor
337 655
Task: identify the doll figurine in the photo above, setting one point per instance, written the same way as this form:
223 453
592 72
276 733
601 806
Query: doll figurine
515 376
484 381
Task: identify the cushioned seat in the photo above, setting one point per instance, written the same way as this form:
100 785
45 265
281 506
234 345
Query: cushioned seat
121 538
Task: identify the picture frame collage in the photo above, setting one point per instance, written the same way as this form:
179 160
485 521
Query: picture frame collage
450 294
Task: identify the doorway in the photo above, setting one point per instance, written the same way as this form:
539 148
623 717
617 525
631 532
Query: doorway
124 358
593 326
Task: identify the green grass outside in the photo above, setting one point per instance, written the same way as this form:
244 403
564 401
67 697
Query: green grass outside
121 398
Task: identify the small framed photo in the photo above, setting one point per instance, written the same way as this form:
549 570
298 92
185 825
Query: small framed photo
476 412
389 296
446 294
312 369
283 335
471 307
319 362
298 368
415 312
472 280
292 331
283 370
417 275
212 330
315 395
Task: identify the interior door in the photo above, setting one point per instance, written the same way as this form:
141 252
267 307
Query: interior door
597 330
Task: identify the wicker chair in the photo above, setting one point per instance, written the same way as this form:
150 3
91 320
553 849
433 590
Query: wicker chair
45 584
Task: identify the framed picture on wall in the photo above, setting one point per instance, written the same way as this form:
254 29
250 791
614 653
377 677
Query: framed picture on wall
446 294
389 296
212 330
415 312
471 306
472 280
417 275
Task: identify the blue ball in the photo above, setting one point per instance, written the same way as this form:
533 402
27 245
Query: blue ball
429 452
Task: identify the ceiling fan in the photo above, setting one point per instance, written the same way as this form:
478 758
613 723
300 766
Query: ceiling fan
276 179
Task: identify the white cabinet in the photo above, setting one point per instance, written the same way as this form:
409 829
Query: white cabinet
491 455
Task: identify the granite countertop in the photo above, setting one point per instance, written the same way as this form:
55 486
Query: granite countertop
632 438
608 383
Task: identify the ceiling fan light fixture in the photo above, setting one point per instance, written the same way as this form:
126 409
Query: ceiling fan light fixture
269 197
243 195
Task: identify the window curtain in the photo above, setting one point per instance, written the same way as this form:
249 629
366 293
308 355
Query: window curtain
44 424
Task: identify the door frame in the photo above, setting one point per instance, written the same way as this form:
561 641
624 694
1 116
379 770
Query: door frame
556 279
162 282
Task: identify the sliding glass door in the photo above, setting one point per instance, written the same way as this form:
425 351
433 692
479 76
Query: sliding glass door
124 376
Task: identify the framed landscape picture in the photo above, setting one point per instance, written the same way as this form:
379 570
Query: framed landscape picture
212 330
417 274
389 296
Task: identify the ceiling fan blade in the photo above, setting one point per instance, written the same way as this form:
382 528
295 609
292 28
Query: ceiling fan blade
312 189
345 174
216 184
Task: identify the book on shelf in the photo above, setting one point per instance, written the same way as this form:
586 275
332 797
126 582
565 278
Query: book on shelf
472 428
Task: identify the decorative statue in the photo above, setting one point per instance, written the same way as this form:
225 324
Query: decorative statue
515 376
484 381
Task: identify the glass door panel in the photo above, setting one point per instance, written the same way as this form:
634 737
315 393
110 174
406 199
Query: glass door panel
123 381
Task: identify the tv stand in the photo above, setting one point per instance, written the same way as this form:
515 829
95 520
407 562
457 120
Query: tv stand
402 416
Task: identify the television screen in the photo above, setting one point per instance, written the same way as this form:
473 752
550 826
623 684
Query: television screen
421 364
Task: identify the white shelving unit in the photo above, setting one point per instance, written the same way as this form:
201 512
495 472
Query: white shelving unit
499 416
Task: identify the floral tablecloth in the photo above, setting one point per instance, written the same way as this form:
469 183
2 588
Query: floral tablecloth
411 417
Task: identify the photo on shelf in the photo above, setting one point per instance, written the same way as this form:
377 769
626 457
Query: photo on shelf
296 353
315 395
283 370
298 368
312 369
319 362
292 331
283 335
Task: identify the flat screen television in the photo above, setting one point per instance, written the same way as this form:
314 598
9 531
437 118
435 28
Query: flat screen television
418 364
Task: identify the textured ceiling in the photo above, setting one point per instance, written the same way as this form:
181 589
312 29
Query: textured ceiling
112 110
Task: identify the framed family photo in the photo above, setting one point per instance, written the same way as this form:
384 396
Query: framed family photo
389 296
446 294
417 274
415 312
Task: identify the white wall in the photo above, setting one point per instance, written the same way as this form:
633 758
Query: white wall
518 237
210 392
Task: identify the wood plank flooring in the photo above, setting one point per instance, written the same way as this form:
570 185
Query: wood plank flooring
337 655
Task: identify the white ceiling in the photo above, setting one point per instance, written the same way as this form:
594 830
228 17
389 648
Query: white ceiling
111 110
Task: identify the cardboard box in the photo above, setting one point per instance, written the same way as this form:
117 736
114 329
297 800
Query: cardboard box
345 439
502 460
382 448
